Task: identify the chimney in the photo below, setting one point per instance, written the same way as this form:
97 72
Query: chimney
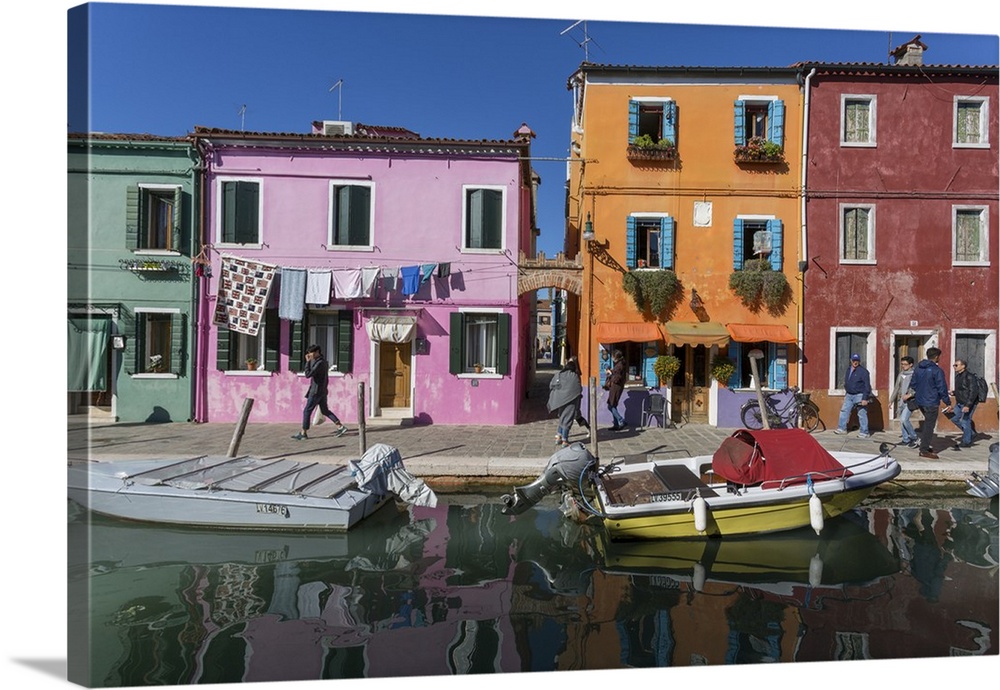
910 53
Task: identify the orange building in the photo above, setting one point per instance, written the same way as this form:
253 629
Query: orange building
686 180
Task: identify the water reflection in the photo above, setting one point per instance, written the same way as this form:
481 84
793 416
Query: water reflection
462 588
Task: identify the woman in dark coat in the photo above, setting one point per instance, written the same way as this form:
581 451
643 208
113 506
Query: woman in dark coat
565 392
615 383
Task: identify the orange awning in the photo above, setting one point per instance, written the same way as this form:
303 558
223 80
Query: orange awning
758 332
612 332
696 333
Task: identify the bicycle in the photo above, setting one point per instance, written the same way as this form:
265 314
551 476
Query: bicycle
798 408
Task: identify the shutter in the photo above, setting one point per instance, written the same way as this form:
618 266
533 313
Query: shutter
775 228
602 365
222 349
670 122
738 244
455 347
503 344
131 333
228 212
779 366
667 242
737 378
630 242
649 377
272 335
132 217
776 122
492 219
739 124
633 120
177 343
247 205
296 344
345 340
175 231
360 215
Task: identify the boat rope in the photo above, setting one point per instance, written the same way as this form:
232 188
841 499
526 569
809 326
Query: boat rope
586 504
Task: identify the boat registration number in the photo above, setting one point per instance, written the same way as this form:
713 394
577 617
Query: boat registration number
669 496
272 509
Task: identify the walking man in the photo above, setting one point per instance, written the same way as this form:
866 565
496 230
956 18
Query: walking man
931 391
857 391
900 396
318 373
966 398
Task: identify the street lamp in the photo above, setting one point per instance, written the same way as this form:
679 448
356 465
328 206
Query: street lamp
588 229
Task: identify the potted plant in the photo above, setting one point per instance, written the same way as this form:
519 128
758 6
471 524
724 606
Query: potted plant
643 147
665 367
653 290
723 369
759 150
757 285
251 364
156 364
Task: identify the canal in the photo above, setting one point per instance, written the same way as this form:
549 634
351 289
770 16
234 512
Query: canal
462 589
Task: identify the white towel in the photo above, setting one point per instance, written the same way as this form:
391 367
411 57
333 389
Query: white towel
318 287
347 283
369 275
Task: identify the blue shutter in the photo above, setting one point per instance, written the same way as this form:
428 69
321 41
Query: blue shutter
776 122
736 354
633 120
774 227
779 365
670 122
738 244
666 242
602 365
739 124
630 242
649 378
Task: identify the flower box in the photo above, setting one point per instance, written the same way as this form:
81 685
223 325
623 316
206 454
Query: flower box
644 153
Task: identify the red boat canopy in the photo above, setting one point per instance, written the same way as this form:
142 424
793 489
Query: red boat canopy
751 457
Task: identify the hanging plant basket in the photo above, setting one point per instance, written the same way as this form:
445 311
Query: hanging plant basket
723 369
665 367
652 290
759 286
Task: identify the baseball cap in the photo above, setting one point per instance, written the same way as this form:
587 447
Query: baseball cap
855 358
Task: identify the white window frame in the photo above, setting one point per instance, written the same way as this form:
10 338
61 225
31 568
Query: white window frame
984 122
991 354
329 352
466 188
984 234
641 215
751 217
219 207
330 245
835 377
872 119
143 187
154 310
486 373
871 234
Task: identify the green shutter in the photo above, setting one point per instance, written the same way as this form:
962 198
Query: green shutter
272 336
296 346
360 215
128 329
175 239
222 349
177 343
739 123
345 340
503 343
228 212
455 346
132 217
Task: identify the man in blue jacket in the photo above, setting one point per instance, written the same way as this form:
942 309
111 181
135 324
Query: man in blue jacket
931 391
857 392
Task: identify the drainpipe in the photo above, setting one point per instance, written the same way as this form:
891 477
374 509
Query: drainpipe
803 263
201 372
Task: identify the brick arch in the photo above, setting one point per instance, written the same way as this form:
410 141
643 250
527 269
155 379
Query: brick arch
561 278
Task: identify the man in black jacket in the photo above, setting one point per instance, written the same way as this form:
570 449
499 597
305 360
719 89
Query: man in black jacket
318 373
966 396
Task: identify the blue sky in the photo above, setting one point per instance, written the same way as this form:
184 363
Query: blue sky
165 69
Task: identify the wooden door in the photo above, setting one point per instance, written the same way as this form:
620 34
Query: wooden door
394 374
690 386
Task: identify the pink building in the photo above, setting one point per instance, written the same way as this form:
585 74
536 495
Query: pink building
396 254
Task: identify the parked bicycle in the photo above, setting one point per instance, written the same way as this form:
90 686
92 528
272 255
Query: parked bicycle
795 411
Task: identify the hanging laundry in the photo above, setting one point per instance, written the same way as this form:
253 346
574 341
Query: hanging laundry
347 283
292 294
389 278
444 269
410 276
369 274
243 291
318 285
426 271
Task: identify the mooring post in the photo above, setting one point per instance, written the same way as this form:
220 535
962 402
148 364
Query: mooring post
592 413
362 441
234 445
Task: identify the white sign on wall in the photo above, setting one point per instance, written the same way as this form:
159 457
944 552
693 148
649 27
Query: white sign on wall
703 214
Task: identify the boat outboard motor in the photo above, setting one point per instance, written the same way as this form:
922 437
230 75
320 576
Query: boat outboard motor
563 469
988 486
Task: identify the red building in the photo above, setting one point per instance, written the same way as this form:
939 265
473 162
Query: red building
900 224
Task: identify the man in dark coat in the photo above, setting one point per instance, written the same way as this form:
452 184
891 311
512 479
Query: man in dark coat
930 391
966 398
318 372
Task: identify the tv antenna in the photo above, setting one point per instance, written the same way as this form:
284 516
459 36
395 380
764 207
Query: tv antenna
243 112
585 43
340 94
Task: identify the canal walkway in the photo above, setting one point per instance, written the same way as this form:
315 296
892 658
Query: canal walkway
478 451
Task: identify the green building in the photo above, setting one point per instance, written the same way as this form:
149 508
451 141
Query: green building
133 219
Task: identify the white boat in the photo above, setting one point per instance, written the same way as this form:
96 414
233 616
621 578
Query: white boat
246 492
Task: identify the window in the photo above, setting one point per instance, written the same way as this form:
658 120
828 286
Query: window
153 217
857 120
649 241
154 342
773 370
656 118
332 330
978 350
844 343
757 237
484 217
759 117
480 338
234 350
857 234
970 235
971 122
239 212
351 214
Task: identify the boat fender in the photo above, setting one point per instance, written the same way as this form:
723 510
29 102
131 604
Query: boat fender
815 508
700 514
698 577
816 571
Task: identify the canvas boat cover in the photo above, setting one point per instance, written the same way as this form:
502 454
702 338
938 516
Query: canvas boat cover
751 457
